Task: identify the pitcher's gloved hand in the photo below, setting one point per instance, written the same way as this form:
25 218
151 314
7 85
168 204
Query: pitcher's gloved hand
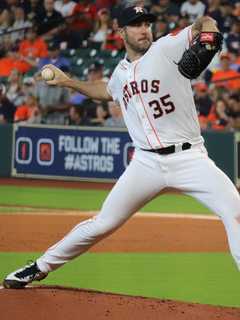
199 55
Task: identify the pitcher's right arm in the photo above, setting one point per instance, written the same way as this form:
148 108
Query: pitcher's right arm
93 89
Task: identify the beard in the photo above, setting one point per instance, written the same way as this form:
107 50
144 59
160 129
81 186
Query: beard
138 47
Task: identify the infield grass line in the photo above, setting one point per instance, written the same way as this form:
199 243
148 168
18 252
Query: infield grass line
51 212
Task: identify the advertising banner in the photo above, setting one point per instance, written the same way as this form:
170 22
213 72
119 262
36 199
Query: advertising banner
70 153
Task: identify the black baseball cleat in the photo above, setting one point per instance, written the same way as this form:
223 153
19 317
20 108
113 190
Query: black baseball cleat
22 277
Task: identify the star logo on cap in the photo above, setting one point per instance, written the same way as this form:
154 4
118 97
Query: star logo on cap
138 9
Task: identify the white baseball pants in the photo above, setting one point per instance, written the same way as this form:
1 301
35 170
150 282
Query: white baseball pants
190 171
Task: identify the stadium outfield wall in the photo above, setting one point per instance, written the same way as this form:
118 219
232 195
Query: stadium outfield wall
90 153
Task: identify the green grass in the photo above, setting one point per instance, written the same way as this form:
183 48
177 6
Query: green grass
209 278
59 198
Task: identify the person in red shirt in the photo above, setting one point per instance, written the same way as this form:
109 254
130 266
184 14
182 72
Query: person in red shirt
24 57
13 61
81 23
28 110
113 40
85 14
33 46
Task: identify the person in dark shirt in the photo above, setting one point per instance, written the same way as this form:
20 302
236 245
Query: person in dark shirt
35 6
227 16
165 8
233 110
7 108
233 38
49 21
202 99
76 117
214 11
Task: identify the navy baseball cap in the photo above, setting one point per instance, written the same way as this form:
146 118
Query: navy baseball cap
134 14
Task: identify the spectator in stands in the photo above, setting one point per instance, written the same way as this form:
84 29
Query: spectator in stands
35 6
13 3
214 11
202 99
49 21
5 45
165 8
233 111
221 76
193 9
116 9
160 28
28 86
95 72
81 24
54 57
219 118
113 40
33 47
235 58
65 7
19 23
101 115
115 118
96 111
2 6
236 9
29 111
6 19
14 88
7 109
233 38
13 61
101 29
227 17
53 102
76 117
182 23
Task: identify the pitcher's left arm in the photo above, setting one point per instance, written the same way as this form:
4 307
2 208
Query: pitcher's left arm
207 41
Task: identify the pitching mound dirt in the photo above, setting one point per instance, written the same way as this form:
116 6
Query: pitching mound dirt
36 232
59 303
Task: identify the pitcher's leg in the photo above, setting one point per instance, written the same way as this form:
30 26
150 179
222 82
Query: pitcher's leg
136 186
218 193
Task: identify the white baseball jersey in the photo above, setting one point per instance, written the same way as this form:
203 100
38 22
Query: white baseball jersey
158 108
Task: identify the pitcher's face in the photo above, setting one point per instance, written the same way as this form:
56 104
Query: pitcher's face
138 36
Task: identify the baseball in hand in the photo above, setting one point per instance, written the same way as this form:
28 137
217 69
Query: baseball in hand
47 74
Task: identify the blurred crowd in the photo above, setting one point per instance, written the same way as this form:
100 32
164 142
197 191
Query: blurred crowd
37 32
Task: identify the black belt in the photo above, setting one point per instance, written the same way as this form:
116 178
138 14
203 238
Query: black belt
170 149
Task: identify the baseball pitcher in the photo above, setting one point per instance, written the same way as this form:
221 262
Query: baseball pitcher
153 89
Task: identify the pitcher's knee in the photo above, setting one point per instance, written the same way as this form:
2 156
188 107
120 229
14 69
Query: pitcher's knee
103 226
